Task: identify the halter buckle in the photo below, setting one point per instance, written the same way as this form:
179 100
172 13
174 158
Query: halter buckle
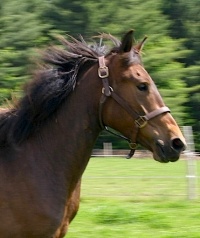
141 121
103 72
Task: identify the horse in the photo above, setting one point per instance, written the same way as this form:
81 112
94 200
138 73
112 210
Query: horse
47 137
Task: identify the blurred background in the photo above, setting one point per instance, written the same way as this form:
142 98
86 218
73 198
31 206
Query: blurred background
171 54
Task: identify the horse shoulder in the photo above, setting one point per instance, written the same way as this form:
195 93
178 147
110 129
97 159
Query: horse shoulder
71 209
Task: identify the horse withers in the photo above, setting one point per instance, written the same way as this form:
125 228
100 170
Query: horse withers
47 138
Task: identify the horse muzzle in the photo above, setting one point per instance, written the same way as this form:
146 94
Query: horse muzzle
168 151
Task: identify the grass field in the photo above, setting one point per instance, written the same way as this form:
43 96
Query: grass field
137 198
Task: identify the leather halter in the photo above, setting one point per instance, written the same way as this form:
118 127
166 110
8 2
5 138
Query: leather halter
107 91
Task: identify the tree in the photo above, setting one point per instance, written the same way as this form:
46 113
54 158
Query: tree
66 16
161 59
185 20
20 32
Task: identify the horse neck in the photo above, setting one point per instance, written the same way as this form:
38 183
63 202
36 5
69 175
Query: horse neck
68 138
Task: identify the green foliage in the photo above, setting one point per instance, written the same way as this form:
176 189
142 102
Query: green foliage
66 16
11 74
161 60
21 31
116 17
185 19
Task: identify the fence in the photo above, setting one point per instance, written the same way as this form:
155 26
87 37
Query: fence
142 178
139 178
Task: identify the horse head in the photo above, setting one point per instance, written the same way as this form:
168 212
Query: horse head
133 106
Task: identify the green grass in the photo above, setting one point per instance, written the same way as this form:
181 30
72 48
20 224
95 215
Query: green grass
136 198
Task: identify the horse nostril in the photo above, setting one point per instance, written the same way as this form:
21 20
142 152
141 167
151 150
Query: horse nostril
178 145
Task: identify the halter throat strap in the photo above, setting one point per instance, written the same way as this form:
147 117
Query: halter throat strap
107 91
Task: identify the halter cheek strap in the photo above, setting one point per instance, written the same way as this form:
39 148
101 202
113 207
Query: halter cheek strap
107 91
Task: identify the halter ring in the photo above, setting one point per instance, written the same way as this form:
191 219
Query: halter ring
103 90
132 145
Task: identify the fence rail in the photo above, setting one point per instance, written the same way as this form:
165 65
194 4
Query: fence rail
138 153
139 178
151 181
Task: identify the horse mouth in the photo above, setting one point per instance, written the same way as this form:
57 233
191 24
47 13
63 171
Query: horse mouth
159 153
165 154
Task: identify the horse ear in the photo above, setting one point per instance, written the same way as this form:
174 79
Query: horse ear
127 42
140 45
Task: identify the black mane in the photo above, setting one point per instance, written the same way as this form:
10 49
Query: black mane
49 87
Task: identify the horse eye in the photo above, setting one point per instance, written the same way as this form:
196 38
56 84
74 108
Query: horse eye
143 87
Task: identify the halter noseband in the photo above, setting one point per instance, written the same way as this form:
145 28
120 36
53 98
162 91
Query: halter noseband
107 91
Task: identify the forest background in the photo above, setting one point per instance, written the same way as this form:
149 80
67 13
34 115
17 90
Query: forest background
171 54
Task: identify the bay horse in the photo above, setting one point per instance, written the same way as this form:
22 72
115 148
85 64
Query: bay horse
47 138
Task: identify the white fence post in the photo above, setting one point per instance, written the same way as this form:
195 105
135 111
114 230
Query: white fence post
191 163
107 149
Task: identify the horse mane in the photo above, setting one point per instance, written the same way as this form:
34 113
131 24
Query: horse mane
49 87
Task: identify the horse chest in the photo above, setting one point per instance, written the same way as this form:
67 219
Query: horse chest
30 209
28 218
